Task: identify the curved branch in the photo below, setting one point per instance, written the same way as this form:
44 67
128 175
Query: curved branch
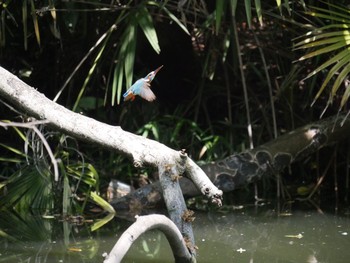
146 223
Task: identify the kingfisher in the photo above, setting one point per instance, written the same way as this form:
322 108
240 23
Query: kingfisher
142 87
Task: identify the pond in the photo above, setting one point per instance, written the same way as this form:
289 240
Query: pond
251 234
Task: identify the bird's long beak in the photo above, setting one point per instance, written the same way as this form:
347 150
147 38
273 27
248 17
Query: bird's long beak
152 74
156 71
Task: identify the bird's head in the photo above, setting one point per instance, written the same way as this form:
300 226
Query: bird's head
152 74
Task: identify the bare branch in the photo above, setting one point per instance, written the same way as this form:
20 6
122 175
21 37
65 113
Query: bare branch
144 224
142 151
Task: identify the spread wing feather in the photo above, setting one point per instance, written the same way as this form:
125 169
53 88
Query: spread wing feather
141 88
146 92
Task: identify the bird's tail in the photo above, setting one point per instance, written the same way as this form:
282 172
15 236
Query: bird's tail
128 96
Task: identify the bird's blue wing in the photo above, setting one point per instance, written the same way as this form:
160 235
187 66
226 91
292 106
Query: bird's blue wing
126 93
132 91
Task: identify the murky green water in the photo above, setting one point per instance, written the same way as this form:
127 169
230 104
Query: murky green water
246 235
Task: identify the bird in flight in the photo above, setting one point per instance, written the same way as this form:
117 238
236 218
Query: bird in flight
142 87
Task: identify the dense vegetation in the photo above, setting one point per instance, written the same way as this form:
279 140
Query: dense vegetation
228 65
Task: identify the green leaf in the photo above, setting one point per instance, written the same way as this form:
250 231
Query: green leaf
102 222
120 84
126 59
345 97
259 11
342 39
144 19
34 190
329 14
176 20
155 132
219 13
14 150
226 46
286 3
67 193
316 37
102 203
129 55
248 11
117 83
341 77
233 7
337 43
10 160
84 172
323 50
331 73
332 26
329 62
338 7
279 5
35 22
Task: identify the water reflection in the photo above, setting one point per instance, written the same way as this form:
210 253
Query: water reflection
239 236
300 237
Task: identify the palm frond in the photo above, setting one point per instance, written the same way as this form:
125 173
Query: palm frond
324 41
27 188
144 19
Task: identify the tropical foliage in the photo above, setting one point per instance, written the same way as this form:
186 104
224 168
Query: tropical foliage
334 38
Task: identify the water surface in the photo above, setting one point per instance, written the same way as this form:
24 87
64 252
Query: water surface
244 235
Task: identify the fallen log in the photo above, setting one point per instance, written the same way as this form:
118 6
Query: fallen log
249 166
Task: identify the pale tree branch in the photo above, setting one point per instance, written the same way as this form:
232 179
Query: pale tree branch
144 224
141 150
